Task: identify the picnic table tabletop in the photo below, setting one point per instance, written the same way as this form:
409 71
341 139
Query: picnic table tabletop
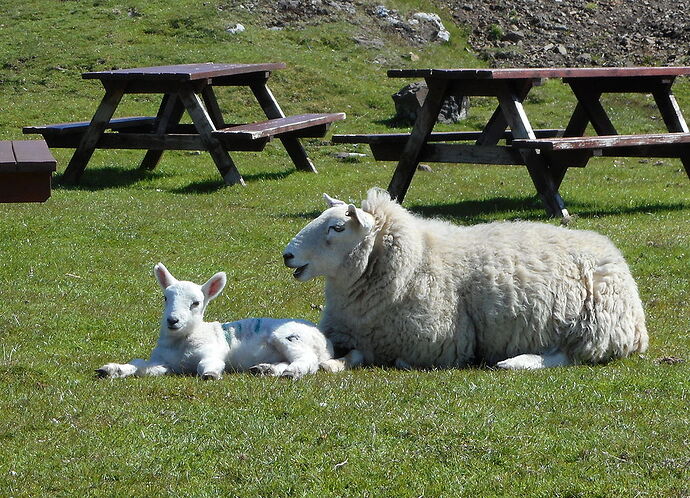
182 72
544 72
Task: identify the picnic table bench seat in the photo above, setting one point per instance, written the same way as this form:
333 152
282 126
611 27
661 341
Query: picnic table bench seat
300 125
603 141
26 167
437 136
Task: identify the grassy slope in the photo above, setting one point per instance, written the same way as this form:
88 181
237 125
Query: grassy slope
76 291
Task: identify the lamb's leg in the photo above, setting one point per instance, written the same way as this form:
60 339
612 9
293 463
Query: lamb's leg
136 367
535 361
211 368
351 360
272 369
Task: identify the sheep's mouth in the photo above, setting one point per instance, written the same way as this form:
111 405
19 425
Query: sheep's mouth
299 271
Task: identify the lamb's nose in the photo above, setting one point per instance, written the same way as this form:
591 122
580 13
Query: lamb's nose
172 322
287 256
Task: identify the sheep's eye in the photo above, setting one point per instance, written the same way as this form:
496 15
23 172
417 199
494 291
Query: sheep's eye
165 299
337 228
195 304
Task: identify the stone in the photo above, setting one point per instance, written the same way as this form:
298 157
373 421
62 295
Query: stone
410 99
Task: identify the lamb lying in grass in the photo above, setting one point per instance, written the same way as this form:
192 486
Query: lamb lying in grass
189 345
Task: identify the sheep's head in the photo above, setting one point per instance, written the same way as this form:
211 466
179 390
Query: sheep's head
185 302
324 245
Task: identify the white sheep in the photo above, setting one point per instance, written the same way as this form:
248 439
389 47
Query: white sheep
189 345
415 292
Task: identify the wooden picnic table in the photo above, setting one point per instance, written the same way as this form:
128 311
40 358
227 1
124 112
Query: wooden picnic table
185 87
547 154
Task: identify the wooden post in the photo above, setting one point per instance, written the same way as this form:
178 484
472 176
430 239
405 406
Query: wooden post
672 116
105 111
169 115
205 127
272 110
424 124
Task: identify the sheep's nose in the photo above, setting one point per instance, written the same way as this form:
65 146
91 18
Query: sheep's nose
172 322
287 256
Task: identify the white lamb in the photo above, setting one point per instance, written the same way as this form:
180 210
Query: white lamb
189 345
414 292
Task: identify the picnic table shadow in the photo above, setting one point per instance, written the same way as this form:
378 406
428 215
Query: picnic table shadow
530 208
103 178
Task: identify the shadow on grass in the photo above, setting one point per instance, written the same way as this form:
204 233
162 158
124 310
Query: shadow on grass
530 208
95 179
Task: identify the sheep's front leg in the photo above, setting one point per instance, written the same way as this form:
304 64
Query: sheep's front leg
211 368
351 360
136 367
535 361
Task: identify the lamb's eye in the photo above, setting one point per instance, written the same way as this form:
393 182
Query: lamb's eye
337 228
195 304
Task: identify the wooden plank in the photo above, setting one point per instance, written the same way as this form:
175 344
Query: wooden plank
602 142
273 127
437 136
33 156
80 126
451 153
522 73
182 72
25 187
8 163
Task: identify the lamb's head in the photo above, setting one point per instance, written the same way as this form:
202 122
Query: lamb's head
326 244
185 302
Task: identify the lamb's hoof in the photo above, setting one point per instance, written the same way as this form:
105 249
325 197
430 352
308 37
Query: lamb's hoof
291 374
102 373
210 376
262 369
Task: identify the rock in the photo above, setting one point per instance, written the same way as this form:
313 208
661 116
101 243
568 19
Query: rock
237 28
409 100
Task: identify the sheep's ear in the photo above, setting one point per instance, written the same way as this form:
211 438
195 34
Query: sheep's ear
331 201
164 277
214 286
357 215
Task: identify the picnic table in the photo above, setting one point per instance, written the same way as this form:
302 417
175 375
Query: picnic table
185 87
547 153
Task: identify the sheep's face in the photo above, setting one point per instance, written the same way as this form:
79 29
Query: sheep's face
185 302
323 246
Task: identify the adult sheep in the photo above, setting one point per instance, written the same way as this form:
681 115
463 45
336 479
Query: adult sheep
415 292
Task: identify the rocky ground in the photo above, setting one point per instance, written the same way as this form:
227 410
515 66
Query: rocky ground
520 32
577 32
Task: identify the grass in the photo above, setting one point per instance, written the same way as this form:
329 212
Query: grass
77 291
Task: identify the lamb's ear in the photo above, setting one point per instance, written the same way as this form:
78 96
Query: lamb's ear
331 201
214 286
164 277
358 215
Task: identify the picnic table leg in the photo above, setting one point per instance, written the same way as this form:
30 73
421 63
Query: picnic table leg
673 117
169 115
101 118
423 125
589 100
272 110
576 128
497 124
212 107
204 125
537 166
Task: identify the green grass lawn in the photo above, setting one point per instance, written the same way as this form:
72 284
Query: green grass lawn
77 291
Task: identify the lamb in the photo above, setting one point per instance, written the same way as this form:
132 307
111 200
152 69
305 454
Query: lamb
189 345
421 293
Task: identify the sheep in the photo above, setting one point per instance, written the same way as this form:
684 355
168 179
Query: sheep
412 292
189 345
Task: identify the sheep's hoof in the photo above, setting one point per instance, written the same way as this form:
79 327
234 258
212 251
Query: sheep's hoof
291 374
210 376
